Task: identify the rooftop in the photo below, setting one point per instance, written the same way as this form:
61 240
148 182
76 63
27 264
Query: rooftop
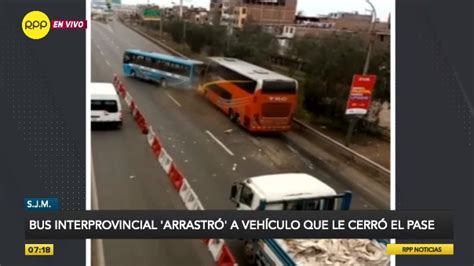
249 70
291 185
176 59
103 88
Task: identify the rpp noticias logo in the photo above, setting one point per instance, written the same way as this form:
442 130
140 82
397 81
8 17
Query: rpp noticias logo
36 24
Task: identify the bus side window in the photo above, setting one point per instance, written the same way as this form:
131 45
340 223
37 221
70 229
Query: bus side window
148 61
186 70
159 64
140 60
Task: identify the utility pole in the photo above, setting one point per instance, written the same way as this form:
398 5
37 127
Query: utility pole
184 32
231 13
355 118
180 9
161 23
371 38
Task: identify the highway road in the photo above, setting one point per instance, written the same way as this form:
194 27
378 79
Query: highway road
210 150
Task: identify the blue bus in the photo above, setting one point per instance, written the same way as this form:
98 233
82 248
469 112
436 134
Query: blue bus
165 69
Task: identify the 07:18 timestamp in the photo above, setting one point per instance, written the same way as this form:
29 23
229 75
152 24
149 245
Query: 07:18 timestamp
39 249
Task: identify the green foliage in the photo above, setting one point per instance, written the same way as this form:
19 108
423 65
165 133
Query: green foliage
175 29
195 37
330 63
215 40
254 45
380 66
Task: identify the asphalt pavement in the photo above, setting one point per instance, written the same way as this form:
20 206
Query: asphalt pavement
128 177
211 151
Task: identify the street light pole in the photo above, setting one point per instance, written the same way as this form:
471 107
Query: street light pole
371 38
355 118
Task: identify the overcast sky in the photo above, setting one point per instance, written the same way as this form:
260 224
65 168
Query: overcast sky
309 7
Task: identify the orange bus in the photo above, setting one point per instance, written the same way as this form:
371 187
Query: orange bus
256 98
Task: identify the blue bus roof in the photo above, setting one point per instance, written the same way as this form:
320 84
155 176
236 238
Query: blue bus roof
172 58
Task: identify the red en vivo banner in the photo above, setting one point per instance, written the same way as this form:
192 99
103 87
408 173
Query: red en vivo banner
360 94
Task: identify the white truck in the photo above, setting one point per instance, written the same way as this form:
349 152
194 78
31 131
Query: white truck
297 191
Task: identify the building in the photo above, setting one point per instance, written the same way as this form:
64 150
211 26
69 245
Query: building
263 12
343 22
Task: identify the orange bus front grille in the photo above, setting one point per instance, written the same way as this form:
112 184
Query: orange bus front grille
276 109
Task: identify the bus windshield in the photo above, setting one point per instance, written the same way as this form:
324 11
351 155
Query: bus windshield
279 86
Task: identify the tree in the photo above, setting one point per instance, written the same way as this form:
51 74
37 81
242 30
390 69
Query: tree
331 61
174 28
215 43
254 45
195 37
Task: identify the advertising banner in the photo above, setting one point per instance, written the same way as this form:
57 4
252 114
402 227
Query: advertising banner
360 94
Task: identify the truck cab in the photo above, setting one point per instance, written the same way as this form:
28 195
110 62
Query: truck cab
292 191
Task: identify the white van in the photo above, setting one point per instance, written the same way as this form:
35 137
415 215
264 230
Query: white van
105 105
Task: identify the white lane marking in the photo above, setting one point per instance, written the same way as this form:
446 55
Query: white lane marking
107 62
102 53
95 206
110 28
292 149
174 100
220 143
302 158
116 46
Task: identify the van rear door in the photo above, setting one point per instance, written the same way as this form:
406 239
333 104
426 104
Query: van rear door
105 110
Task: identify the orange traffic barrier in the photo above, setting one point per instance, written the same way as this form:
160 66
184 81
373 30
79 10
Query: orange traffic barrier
141 121
156 146
133 107
226 258
176 177
121 90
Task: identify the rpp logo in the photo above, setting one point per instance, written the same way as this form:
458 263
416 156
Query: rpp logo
31 25
35 25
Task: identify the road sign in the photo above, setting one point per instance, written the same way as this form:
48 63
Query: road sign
151 14
360 94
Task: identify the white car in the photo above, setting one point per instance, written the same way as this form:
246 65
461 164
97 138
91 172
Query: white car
105 105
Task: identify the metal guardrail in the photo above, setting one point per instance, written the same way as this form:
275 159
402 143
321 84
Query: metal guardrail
359 158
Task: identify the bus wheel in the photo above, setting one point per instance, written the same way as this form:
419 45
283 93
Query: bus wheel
133 74
163 83
232 115
237 119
